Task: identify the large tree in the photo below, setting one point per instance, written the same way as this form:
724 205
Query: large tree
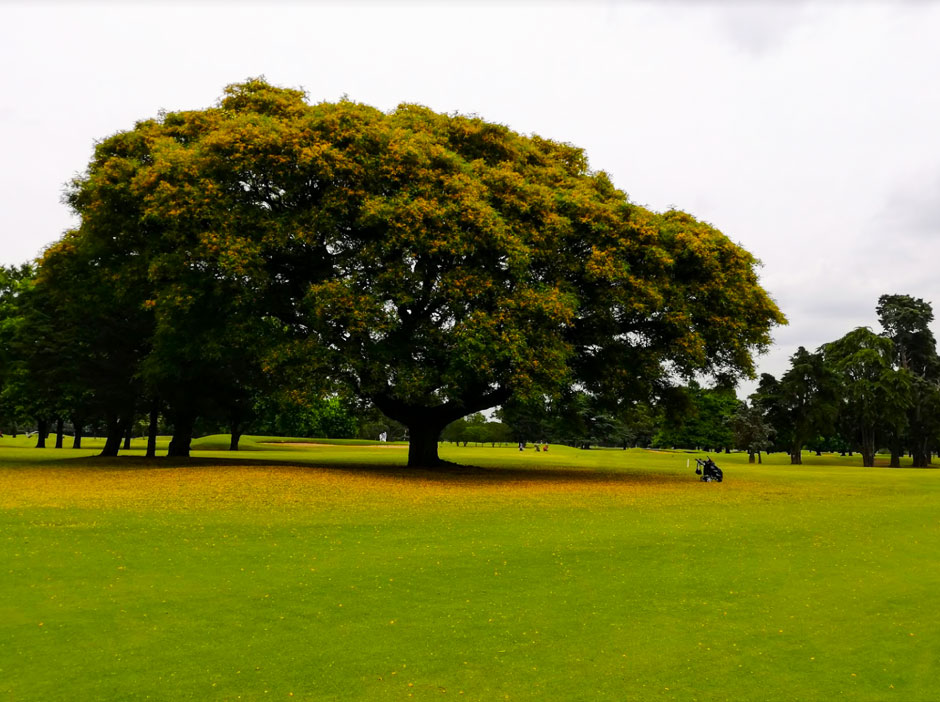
802 404
86 332
906 321
14 282
437 265
874 396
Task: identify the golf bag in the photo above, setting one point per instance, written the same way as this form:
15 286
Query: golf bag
708 470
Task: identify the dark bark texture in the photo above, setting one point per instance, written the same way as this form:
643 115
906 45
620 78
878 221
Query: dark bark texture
236 435
77 435
112 442
42 427
182 436
425 424
152 430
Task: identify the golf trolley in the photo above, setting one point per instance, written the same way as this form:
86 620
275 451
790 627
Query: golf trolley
708 470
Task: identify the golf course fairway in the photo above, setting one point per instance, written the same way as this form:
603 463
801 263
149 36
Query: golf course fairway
331 572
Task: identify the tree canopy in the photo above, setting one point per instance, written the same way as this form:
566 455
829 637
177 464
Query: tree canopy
873 395
435 265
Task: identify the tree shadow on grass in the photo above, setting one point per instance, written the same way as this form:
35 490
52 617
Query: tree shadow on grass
455 474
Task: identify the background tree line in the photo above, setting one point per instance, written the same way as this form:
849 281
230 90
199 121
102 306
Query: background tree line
863 392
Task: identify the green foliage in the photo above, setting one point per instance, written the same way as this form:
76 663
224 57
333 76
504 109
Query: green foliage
906 322
290 414
751 431
579 419
874 395
14 281
372 423
705 422
435 265
802 404
475 429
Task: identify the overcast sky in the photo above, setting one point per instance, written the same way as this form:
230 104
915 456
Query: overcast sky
808 132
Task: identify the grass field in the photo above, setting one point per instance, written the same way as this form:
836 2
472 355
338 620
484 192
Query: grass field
331 572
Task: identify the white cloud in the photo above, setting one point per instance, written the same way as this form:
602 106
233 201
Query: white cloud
805 131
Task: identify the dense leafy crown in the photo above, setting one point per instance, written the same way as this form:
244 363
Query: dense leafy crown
425 260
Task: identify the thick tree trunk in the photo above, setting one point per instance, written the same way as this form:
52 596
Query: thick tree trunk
127 436
152 430
236 436
112 442
920 458
42 430
182 436
77 436
750 456
761 462
796 456
896 452
425 424
59 431
422 445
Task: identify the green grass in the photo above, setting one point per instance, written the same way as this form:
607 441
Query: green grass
331 572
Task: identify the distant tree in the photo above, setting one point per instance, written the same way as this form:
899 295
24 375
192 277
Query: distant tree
802 404
292 413
752 433
454 432
496 433
640 421
702 421
529 420
906 321
333 419
373 423
873 396
898 387
474 433
472 429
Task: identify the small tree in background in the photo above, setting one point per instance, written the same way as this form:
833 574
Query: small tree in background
752 433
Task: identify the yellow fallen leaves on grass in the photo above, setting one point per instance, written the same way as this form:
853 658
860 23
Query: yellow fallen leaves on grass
206 486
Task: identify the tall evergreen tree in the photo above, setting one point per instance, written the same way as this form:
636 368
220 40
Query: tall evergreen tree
906 321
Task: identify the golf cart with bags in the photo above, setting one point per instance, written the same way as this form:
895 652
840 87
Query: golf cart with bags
710 472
